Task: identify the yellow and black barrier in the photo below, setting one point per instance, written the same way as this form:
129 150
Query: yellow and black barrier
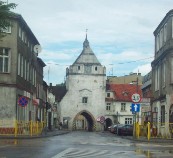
21 128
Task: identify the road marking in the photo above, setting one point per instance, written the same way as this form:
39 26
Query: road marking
61 154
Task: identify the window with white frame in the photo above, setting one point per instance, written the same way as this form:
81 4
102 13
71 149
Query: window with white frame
128 121
84 99
108 106
4 60
123 106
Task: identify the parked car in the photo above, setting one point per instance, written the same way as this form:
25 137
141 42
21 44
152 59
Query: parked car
113 128
125 130
117 127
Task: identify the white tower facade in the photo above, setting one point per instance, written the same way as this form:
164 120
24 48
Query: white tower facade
84 101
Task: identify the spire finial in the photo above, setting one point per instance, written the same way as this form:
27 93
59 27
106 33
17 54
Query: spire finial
86 33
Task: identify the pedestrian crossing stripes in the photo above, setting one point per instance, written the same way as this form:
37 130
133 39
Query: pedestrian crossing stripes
96 153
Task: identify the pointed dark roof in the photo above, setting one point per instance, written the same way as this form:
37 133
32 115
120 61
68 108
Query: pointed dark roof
87 56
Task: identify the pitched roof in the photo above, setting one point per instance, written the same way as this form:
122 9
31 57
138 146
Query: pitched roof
123 92
87 56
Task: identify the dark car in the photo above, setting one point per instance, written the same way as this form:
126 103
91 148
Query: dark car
126 130
118 126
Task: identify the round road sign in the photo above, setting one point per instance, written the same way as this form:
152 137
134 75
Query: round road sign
136 98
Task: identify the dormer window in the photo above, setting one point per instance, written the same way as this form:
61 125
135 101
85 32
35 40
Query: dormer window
78 67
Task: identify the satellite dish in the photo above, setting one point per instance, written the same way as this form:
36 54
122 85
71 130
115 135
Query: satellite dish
37 49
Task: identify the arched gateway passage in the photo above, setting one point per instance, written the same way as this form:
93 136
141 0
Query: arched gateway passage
84 120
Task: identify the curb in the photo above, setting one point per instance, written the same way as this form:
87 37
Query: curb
34 137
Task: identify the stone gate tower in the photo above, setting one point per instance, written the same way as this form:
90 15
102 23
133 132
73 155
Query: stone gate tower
84 101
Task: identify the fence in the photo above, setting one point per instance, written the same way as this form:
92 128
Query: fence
152 130
21 128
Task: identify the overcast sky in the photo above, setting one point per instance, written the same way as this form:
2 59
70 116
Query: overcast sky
120 32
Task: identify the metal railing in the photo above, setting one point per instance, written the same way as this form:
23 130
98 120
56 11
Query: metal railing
21 128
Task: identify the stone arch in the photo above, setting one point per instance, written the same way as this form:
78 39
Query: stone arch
108 123
91 122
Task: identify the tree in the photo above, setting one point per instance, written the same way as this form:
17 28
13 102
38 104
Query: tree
5 15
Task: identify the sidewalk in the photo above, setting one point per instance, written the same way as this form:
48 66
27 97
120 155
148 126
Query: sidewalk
43 135
152 140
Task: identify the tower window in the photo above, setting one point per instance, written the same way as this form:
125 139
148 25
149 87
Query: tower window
84 99
96 68
78 67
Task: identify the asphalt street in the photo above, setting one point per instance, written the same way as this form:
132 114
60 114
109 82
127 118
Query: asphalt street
83 145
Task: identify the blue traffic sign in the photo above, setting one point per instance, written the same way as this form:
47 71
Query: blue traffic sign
135 108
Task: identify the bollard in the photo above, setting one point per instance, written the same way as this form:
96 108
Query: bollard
31 128
137 130
15 128
148 131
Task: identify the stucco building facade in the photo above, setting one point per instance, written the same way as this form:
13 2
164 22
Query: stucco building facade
84 101
21 74
162 76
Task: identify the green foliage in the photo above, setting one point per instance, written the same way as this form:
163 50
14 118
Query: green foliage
5 14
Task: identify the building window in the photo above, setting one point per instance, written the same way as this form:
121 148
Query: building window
4 60
20 32
7 29
161 38
164 74
123 106
108 106
157 42
27 72
18 72
22 66
157 78
108 95
162 119
96 68
165 33
128 121
78 67
85 100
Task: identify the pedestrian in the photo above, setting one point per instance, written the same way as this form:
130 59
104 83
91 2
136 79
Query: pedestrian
60 125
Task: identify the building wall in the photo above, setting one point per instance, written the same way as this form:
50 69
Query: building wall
80 86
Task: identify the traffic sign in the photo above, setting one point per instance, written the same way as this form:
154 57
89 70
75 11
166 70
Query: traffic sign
135 108
101 119
136 98
23 101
